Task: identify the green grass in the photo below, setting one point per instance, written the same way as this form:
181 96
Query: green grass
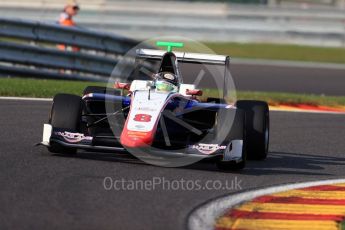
276 98
40 88
48 88
280 52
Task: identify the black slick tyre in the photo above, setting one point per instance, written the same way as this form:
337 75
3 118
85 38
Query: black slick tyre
257 128
65 114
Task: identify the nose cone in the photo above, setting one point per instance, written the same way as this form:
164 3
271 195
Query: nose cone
135 139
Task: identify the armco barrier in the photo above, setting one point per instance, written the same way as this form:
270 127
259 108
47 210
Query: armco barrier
31 46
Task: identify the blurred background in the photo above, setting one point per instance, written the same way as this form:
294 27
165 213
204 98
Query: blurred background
277 46
309 22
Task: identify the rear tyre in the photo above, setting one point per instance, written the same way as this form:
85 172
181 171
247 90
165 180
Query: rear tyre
230 125
257 128
65 114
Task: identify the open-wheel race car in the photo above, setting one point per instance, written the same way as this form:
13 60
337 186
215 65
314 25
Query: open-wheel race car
161 115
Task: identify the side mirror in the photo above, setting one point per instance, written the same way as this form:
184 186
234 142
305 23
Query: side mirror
119 85
194 92
150 85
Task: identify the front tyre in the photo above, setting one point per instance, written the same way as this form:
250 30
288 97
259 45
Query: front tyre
65 114
257 128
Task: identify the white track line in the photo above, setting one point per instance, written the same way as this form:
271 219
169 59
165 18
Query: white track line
276 110
203 218
26 99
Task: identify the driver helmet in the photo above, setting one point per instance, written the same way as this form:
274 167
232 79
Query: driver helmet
166 82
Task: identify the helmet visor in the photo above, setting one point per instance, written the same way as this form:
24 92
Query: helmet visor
164 86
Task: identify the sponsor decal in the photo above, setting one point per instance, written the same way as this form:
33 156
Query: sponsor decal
140 127
73 137
207 148
147 109
137 134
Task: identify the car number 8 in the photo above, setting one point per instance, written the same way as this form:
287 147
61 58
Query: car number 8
142 118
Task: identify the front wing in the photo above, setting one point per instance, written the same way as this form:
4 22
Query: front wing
231 151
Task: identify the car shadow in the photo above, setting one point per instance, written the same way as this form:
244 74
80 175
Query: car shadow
104 156
276 163
288 163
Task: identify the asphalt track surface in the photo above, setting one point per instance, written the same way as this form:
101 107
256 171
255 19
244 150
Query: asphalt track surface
293 79
44 191
274 76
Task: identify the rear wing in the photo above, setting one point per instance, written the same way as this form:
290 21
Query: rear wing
186 57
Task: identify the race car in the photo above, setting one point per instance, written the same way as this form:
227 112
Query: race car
161 116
